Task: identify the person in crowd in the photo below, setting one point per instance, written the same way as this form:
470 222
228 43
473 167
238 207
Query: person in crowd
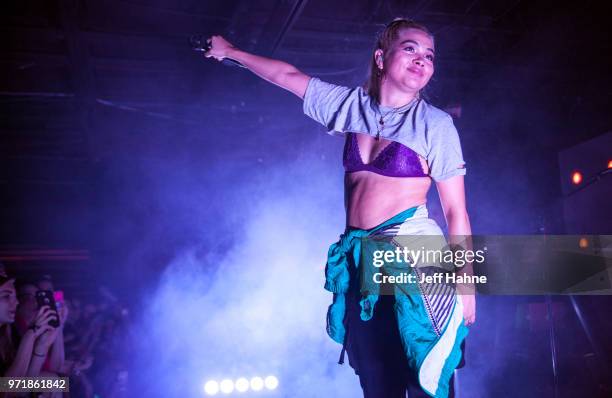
23 356
26 312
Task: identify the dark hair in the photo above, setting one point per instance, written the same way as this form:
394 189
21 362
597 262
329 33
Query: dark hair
7 349
384 39
20 283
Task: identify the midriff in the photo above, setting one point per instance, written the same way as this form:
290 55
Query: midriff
371 198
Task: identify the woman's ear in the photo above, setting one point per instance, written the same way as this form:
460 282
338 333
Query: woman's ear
378 57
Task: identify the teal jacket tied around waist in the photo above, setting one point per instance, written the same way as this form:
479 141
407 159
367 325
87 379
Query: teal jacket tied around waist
432 353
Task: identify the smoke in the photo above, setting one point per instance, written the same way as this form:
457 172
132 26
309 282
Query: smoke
257 308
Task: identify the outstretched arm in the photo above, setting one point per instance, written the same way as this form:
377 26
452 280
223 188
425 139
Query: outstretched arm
277 72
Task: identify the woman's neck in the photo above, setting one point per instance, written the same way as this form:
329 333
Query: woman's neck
390 96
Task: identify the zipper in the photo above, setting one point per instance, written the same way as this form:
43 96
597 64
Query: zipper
427 305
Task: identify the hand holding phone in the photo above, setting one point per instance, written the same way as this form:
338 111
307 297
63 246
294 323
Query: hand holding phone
45 297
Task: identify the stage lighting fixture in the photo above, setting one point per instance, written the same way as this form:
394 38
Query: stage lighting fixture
257 383
226 386
211 387
241 384
576 177
271 382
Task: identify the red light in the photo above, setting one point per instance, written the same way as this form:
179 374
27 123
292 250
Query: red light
610 164
576 177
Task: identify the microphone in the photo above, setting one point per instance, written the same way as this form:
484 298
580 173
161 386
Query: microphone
199 43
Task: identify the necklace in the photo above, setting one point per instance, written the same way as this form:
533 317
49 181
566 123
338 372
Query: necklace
381 121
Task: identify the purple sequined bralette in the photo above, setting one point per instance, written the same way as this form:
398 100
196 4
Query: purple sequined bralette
395 160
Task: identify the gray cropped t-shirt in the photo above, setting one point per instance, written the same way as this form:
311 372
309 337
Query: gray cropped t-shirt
422 127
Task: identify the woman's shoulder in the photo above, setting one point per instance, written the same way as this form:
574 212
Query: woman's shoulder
432 114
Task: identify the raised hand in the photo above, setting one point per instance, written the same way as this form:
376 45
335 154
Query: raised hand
219 49
45 340
40 324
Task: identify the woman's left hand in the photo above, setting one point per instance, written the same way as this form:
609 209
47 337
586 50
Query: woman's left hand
469 308
45 340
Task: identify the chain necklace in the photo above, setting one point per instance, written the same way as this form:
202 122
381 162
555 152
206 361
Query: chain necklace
381 121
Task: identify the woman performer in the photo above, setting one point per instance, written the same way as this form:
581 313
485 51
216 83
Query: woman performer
396 143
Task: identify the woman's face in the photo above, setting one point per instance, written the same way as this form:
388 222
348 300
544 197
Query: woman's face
26 311
8 303
409 63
